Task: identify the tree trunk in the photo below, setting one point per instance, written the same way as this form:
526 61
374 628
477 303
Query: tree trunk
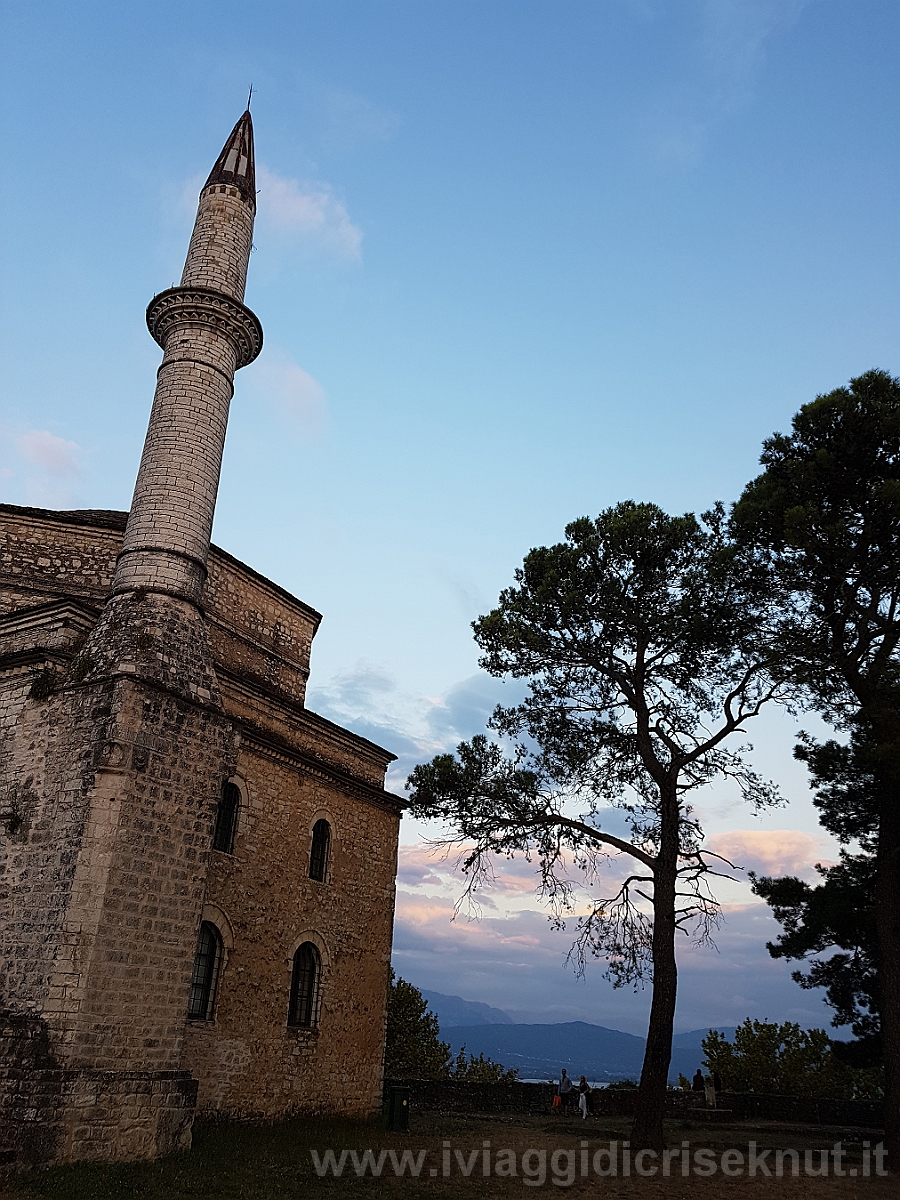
647 1129
887 915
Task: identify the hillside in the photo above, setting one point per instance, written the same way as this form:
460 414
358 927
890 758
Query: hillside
539 1051
453 1010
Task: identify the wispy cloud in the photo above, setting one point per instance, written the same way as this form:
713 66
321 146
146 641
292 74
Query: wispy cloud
347 119
41 468
358 688
771 851
307 211
367 700
276 379
423 865
729 48
734 34
56 456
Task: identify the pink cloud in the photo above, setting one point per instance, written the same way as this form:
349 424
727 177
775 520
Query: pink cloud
770 851
428 865
417 912
517 962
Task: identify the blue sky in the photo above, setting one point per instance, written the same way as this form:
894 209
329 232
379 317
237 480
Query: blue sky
516 260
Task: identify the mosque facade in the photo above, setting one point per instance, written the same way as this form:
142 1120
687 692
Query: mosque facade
196 871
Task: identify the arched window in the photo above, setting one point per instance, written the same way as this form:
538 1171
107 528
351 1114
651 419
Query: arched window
206 973
318 855
304 1006
226 818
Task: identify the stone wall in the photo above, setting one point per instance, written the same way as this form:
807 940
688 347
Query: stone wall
104 882
259 631
809 1110
249 1060
45 555
261 635
48 1112
113 752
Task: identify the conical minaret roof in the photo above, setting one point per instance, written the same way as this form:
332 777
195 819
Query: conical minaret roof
235 165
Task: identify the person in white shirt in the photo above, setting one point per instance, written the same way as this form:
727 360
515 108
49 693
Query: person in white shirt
584 1097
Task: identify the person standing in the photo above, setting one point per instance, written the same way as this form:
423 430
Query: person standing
565 1089
584 1097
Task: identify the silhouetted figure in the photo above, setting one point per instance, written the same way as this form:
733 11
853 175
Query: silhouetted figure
585 1099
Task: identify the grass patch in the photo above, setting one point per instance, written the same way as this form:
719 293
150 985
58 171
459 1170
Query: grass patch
237 1161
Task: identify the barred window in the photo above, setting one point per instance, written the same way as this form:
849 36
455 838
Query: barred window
204 982
305 975
318 855
226 818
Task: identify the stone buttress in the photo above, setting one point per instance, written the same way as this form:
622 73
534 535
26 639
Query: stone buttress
113 767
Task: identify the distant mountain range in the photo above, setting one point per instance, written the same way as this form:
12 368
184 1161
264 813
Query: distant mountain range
453 1010
539 1051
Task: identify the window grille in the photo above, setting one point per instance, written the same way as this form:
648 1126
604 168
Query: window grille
305 977
226 818
205 979
318 855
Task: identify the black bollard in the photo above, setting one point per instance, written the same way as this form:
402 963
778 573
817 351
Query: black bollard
398 1110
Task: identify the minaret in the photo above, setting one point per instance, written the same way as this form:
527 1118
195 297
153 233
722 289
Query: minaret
206 334
126 759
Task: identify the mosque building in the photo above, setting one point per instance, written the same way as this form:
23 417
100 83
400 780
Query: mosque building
196 872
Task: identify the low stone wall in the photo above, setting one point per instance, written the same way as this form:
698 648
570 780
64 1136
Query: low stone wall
453 1096
806 1110
450 1095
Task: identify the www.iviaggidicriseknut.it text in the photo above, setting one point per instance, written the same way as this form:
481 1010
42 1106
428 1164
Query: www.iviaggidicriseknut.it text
564 1165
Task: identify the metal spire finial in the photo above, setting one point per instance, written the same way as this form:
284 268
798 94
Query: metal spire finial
234 166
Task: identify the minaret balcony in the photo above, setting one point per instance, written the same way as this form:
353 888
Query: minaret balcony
205 308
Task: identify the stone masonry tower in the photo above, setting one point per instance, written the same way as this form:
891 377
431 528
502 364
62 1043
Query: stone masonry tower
115 768
207 334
